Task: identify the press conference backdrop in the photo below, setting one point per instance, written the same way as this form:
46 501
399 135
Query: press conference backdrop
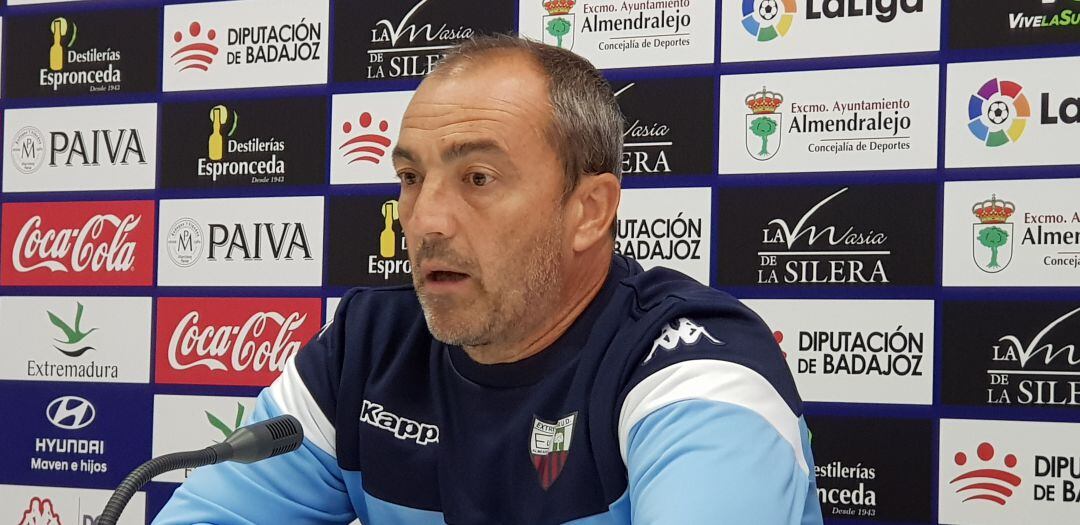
189 188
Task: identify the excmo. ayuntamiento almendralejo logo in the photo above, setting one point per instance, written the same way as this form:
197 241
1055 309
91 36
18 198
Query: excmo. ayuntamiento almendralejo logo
998 112
559 23
763 124
766 20
992 236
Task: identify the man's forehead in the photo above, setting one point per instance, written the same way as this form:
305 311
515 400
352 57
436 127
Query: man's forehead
506 83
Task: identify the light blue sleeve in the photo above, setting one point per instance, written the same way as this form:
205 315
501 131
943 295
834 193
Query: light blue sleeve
301 487
700 461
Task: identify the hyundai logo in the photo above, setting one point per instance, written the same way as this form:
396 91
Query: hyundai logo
70 412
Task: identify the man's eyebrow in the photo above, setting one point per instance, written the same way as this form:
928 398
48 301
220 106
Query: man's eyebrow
401 153
462 149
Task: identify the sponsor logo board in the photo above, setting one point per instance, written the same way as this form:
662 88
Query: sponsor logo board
1005 472
367 244
195 422
85 339
273 241
395 40
264 142
80 148
50 505
858 478
1012 113
226 341
667 227
999 23
71 54
753 30
615 34
839 120
1011 233
245 43
364 131
855 351
827 235
85 435
661 137
1011 353
104 243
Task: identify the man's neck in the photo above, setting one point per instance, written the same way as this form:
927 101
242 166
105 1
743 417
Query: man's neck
579 295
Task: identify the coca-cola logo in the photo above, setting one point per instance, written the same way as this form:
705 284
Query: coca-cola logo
77 249
231 341
263 342
78 243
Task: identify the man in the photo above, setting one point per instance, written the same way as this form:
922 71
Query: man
529 375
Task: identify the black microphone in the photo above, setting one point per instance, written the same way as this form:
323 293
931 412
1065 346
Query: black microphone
255 442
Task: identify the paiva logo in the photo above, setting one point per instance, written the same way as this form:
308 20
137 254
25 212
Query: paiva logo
767 20
763 123
985 481
998 112
992 236
199 53
559 23
363 143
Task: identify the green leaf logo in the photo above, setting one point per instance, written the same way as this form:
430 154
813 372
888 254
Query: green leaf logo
225 429
72 335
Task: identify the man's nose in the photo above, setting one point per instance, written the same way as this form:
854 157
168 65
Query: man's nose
432 210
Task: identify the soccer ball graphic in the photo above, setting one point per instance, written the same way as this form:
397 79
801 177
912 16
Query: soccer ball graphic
768 9
998 112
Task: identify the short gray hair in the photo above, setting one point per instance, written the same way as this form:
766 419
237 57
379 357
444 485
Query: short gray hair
586 128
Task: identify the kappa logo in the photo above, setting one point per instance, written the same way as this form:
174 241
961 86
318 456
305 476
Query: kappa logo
682 331
403 428
40 512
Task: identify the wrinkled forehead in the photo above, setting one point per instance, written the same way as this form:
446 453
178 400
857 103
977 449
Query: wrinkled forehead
505 95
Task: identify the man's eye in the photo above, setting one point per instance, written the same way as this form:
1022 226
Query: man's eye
408 178
479 179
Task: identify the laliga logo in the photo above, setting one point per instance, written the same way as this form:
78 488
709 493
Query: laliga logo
984 481
998 112
60 28
365 146
768 21
196 55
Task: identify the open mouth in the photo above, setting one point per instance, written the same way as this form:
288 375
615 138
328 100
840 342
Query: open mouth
446 276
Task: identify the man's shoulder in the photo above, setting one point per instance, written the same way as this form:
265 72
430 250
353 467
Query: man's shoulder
680 326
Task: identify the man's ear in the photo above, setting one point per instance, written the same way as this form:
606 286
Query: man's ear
595 202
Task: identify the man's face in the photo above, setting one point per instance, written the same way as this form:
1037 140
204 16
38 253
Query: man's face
480 201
